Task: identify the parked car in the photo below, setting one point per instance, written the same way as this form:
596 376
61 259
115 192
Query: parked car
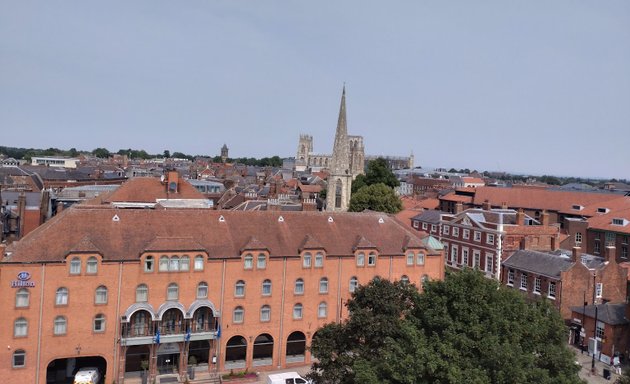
286 378
87 375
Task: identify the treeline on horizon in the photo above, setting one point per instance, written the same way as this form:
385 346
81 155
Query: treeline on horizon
103 153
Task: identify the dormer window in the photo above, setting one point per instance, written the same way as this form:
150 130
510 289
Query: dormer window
619 221
360 259
602 210
306 260
148 264
249 261
372 259
319 260
75 266
577 207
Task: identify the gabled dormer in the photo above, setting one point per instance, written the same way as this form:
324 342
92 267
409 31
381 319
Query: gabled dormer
364 249
252 250
311 252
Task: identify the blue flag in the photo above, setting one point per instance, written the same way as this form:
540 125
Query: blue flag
219 331
157 336
187 337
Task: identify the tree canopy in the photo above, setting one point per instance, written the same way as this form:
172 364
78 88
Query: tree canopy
465 329
376 197
377 172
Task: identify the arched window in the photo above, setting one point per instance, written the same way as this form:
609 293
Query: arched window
306 260
61 325
410 258
19 358
261 262
265 313
163 263
75 266
101 295
323 285
172 292
99 323
174 264
266 287
249 261
202 290
322 310
361 259
92 265
420 259
319 260
61 297
239 288
148 264
199 263
297 311
404 279
354 283
372 258
20 327
184 263
239 314
142 293
299 287
22 298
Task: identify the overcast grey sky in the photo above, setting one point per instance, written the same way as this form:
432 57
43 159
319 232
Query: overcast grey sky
522 86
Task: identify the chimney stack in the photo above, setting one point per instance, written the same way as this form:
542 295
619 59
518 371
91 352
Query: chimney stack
504 205
609 253
59 207
520 217
459 208
486 205
575 254
544 218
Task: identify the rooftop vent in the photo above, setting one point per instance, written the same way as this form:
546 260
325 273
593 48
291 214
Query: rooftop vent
281 219
221 219
115 218
330 219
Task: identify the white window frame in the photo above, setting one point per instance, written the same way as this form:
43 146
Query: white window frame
20 353
99 319
371 259
476 259
490 238
578 237
465 257
75 266
523 281
298 288
266 287
298 311
306 260
60 326
466 234
537 285
510 277
261 261
239 288
172 292
100 295
477 236
552 290
238 315
354 284
265 313
319 260
202 290
360 259
323 285
163 265
410 258
184 263
91 265
454 254
599 290
61 296
149 263
20 327
455 232
489 262
433 227
446 229
322 310
248 261
198 263
22 298
420 258
425 226
142 291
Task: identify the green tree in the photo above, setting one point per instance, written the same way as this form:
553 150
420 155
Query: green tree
624 378
167 154
378 171
101 153
376 197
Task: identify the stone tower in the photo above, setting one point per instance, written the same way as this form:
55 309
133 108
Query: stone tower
357 155
340 178
305 147
224 153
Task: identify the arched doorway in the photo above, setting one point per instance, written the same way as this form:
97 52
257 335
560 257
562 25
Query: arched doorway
296 347
134 358
203 320
263 350
139 325
172 322
61 371
235 352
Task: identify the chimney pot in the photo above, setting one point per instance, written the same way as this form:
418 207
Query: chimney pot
575 253
609 253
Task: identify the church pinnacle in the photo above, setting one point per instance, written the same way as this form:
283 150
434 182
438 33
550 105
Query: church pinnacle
340 178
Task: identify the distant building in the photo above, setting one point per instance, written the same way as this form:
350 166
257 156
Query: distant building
224 153
49 161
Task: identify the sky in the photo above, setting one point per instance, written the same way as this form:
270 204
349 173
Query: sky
535 87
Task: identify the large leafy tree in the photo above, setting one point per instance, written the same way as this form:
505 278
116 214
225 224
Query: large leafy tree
376 197
377 172
465 329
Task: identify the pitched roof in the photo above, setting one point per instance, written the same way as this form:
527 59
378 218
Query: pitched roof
174 244
539 262
612 314
429 216
150 189
310 242
84 245
124 234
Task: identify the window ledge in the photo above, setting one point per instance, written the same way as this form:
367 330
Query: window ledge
551 297
536 293
510 284
523 289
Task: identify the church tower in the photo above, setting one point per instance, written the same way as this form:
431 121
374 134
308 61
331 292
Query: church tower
340 178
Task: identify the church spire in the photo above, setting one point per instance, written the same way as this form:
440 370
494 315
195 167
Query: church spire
340 178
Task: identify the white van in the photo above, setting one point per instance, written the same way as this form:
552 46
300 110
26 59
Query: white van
87 375
286 378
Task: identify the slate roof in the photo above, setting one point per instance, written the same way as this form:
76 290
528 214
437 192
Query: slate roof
539 262
124 234
429 216
612 314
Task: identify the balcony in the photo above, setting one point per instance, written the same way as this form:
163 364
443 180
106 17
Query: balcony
142 334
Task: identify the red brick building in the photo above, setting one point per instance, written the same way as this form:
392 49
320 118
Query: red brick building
101 285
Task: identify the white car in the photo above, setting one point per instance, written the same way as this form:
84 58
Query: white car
286 378
87 375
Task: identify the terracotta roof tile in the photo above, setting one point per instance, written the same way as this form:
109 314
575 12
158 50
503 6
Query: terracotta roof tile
149 189
362 243
175 244
253 244
310 243
85 245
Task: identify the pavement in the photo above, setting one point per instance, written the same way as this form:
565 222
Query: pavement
596 377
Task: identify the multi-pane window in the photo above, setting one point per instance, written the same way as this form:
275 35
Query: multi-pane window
433 228
174 264
172 292
20 327
578 237
92 265
523 281
22 298
100 296
61 297
319 260
476 259
464 257
420 258
372 259
489 262
552 290
75 266
238 315
445 229
266 287
202 290
360 259
148 264
490 238
410 258
599 330
163 263
198 263
249 261
265 313
239 288
424 226
19 358
466 234
297 311
184 263
624 252
142 293
537 283
596 247
510 278
99 323
60 325
454 251
455 232
261 261
322 310
610 238
599 290
299 287
306 260
323 285
477 236
354 284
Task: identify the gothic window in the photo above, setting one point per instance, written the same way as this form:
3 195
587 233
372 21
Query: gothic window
338 187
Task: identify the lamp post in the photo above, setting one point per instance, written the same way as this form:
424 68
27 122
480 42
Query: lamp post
595 342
